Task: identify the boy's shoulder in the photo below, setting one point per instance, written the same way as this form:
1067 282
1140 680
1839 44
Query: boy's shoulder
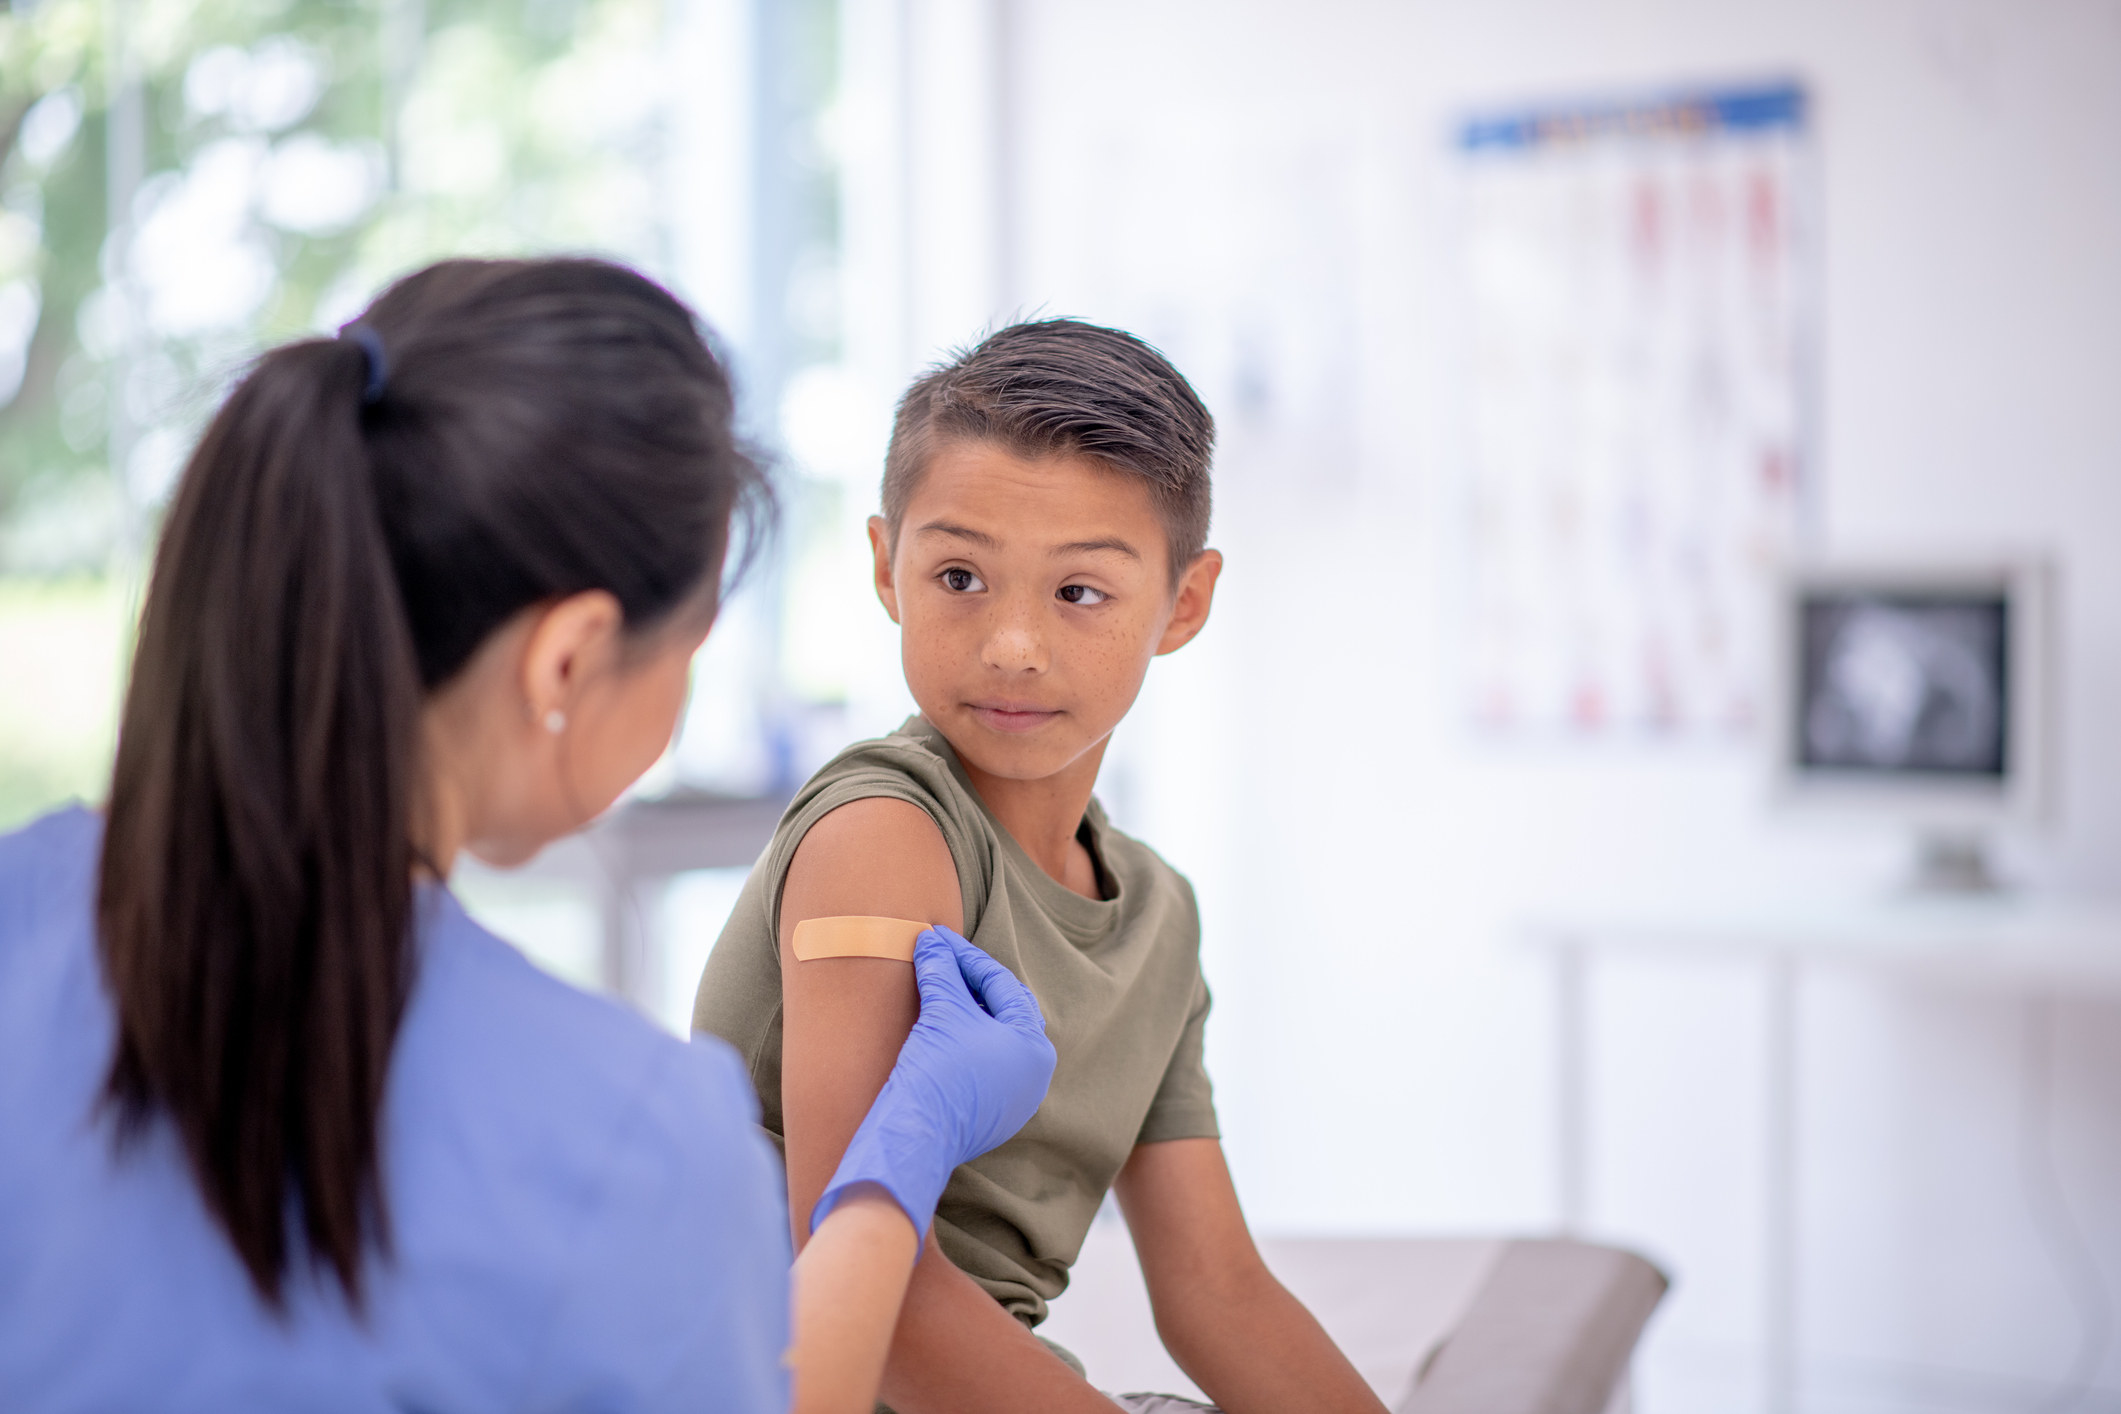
915 764
916 751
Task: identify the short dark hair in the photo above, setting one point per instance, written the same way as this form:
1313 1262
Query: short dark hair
360 516
1063 387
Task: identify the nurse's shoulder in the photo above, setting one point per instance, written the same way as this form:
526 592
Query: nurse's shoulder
570 1179
44 865
47 964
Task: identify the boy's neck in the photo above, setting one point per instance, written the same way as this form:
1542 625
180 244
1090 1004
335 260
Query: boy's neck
1044 816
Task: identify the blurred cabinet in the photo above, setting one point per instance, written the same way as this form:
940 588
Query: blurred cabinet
2024 947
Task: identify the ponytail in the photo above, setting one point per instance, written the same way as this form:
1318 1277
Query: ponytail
337 549
257 875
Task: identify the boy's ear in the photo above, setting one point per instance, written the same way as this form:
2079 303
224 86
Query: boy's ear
1196 595
880 546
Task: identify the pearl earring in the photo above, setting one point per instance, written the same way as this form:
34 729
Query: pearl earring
556 721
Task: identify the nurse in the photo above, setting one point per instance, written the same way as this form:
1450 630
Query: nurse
280 1126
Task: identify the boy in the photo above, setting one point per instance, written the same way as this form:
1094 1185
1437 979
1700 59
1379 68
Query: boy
1044 536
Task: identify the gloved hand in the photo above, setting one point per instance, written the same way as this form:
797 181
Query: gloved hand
973 1070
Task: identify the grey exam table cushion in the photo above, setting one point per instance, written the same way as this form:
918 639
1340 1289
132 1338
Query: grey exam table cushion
1550 1331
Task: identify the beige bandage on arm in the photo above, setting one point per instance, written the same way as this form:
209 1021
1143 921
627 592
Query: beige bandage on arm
856 937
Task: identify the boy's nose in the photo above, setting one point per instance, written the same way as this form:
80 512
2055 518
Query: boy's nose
1014 645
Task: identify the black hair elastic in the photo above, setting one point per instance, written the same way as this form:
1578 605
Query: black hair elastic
372 350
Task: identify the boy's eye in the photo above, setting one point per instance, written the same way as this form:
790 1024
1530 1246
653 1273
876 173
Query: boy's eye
961 580
1082 594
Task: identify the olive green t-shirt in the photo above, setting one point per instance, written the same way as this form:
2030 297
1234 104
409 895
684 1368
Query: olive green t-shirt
1118 978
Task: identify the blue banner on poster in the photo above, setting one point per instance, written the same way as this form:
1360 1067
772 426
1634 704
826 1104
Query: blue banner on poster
1696 113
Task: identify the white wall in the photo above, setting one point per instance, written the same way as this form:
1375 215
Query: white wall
1259 188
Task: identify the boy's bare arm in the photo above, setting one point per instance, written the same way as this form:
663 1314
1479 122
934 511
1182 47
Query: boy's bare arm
844 1018
957 1351
1249 1344
843 1021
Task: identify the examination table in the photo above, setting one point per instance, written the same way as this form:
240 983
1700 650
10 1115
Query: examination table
1448 1326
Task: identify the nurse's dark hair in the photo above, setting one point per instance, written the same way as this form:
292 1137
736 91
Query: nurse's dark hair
359 517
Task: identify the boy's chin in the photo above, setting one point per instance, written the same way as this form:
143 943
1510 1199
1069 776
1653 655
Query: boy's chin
1030 756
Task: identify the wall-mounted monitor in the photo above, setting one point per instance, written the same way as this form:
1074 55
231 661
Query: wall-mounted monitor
1917 691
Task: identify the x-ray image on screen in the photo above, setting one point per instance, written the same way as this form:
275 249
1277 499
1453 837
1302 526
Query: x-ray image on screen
1904 684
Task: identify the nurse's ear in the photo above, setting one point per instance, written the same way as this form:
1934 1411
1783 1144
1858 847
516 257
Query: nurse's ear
572 642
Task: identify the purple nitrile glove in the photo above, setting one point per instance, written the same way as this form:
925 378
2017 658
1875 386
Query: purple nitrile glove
974 1068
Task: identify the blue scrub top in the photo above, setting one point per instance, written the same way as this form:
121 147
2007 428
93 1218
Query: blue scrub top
585 1215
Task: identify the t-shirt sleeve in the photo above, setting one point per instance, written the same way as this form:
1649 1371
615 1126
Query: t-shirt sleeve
871 783
680 1297
1184 1107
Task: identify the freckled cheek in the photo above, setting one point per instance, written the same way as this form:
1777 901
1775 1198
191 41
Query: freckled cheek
1113 660
940 646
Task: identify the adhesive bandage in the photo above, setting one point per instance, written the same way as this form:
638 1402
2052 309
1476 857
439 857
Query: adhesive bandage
856 937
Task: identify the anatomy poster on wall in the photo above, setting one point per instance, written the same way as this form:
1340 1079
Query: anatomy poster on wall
1636 330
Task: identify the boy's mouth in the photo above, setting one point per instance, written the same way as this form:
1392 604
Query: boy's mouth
1011 716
